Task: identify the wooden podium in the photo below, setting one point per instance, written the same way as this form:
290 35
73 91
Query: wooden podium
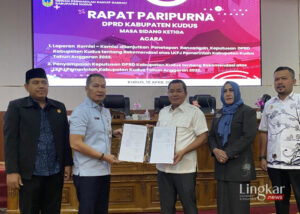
134 187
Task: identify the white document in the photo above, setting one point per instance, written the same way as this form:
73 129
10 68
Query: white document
133 143
163 145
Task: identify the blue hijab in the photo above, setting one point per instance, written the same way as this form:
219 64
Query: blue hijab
224 128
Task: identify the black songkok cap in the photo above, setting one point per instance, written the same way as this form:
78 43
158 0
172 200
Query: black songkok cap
35 73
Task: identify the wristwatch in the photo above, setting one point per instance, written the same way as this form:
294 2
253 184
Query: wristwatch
262 157
101 157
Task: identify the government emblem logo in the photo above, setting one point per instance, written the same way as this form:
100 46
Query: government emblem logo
47 3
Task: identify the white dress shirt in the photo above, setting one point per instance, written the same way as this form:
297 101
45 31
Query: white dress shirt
190 123
281 119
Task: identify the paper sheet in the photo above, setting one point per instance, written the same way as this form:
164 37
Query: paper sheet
133 143
163 145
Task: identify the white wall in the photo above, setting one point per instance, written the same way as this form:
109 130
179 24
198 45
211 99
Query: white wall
280 46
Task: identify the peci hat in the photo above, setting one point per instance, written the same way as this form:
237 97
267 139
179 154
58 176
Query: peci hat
35 73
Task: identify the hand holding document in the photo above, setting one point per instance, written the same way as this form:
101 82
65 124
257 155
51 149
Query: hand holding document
135 139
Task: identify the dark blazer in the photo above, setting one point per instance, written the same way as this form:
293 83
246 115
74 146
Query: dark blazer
240 166
22 131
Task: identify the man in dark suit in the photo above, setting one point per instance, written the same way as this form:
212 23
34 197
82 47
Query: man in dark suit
37 151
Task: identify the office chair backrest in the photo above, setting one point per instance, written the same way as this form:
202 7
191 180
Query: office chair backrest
160 102
207 102
266 97
117 103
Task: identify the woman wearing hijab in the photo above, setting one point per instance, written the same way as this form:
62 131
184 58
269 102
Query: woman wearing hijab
232 132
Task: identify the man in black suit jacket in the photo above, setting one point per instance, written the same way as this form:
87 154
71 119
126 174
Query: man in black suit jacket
37 150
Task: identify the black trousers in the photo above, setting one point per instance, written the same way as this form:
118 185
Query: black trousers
92 193
41 194
230 200
284 178
170 185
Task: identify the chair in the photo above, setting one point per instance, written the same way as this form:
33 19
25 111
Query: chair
207 102
117 103
265 99
160 102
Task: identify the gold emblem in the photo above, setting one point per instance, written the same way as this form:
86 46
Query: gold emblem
271 107
58 111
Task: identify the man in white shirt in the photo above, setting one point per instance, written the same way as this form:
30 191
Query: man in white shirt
280 138
180 177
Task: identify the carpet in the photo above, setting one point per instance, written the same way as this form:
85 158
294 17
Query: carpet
253 210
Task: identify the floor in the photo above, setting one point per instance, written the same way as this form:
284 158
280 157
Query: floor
254 210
